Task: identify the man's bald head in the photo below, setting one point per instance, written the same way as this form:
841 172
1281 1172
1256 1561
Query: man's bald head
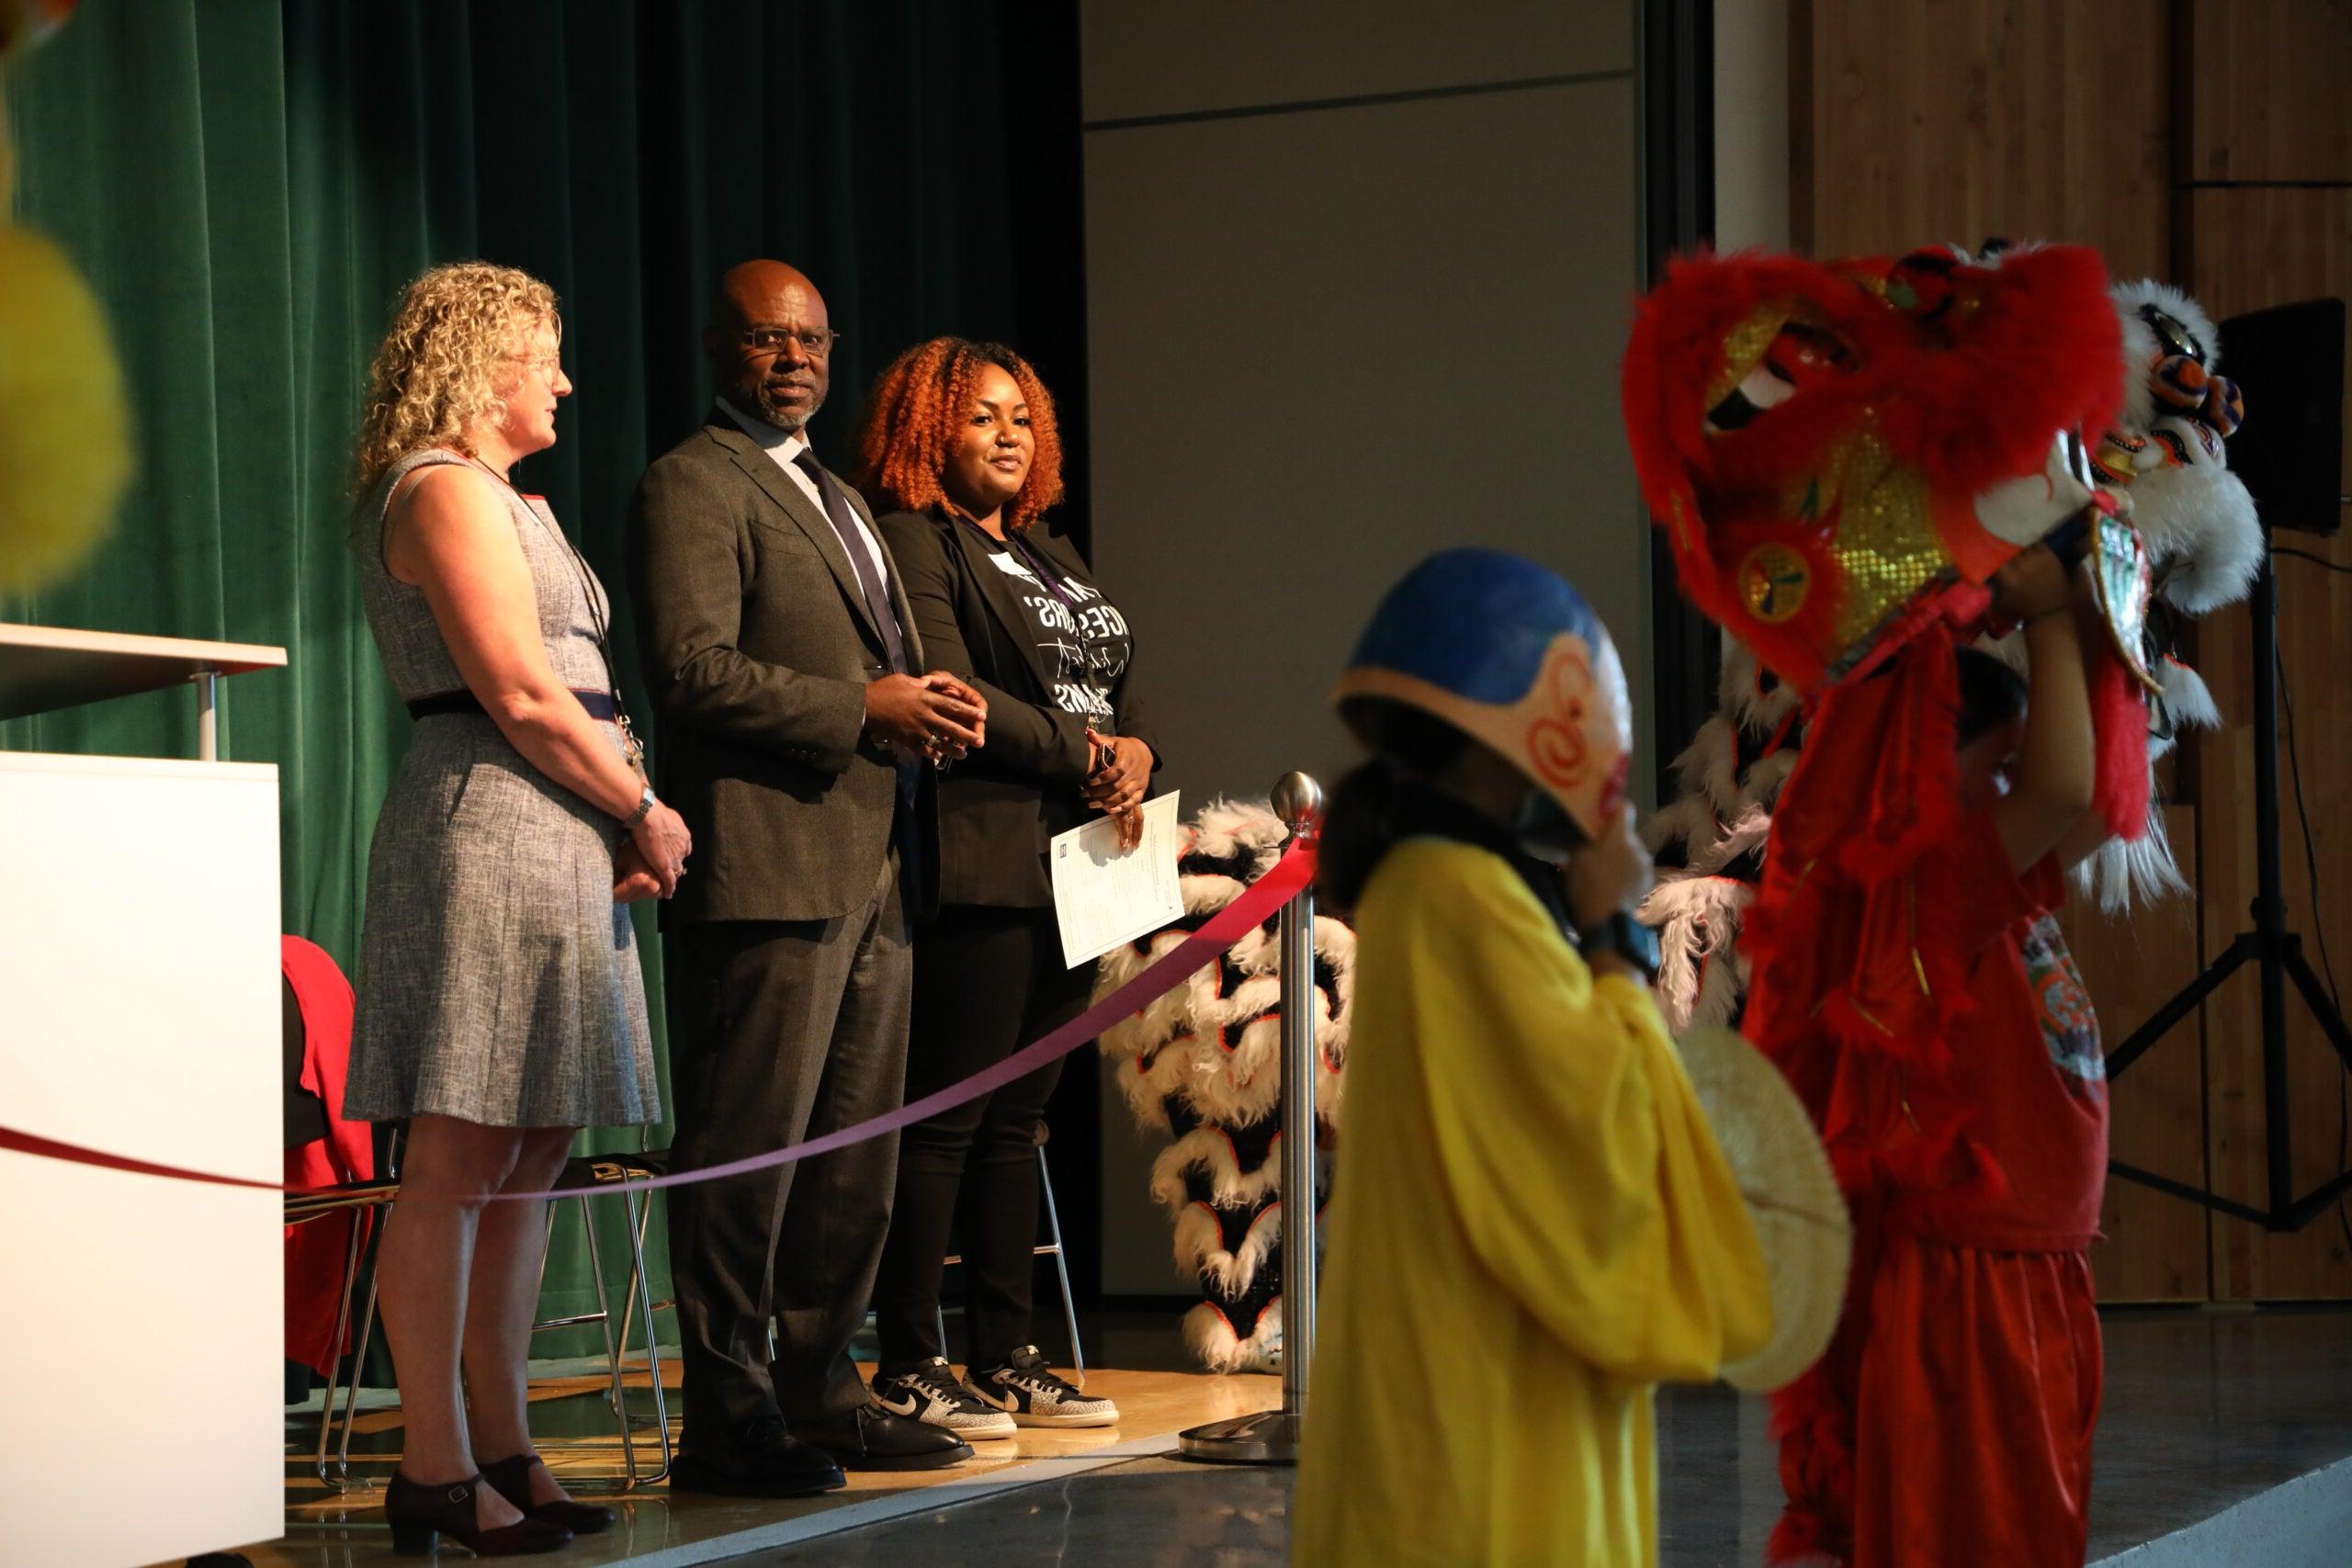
770 342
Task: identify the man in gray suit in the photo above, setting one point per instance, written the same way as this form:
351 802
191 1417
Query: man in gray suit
783 660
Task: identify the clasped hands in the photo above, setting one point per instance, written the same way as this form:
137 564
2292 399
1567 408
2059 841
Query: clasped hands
652 858
934 718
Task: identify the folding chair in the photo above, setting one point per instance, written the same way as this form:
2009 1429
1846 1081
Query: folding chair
581 1175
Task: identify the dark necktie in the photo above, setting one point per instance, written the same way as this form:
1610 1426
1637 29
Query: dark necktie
878 596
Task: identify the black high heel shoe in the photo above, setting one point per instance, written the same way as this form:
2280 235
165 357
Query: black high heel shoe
421 1515
512 1478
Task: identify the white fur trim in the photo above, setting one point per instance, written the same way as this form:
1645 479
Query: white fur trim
1210 1150
1736 681
1749 833
2121 875
1200 1236
1707 767
1200 1247
1689 822
1224 826
1723 984
2187 700
1761 785
1212 1339
2140 346
2204 532
1700 918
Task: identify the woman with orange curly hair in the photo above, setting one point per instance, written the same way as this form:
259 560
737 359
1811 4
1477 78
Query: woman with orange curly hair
959 439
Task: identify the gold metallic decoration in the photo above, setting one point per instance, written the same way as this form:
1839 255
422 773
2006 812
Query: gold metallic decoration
1885 541
1743 347
1774 582
2122 578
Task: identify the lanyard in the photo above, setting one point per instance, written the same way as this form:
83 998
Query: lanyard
597 622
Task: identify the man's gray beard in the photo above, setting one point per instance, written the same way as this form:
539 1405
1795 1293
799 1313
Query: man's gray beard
788 423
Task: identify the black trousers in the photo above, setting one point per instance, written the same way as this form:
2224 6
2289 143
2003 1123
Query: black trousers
780 1031
988 981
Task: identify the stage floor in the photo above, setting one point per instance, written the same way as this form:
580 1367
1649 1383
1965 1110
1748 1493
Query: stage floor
575 1427
2206 1415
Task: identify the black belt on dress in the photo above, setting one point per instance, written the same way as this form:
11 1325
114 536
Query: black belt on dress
600 704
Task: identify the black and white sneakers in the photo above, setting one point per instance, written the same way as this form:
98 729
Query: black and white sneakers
929 1393
1027 1390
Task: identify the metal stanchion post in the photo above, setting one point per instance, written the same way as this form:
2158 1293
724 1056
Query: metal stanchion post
1272 1437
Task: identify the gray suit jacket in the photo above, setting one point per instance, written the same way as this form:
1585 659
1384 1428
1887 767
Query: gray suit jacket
757 645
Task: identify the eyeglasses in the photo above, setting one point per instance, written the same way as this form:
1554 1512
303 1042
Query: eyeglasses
815 342
548 364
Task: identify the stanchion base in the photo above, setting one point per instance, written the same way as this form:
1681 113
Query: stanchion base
1271 1436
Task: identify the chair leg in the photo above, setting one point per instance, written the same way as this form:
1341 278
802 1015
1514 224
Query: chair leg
612 1346
638 1218
342 1326
351 1401
641 1294
341 1480
1061 1269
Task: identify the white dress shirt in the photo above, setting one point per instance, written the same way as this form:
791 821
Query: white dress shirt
786 446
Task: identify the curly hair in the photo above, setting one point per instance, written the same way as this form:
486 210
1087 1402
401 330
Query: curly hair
438 369
912 414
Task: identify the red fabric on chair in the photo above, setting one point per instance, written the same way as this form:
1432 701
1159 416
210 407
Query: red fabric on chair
315 1252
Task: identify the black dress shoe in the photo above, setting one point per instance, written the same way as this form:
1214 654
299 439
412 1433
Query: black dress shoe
512 1478
759 1460
870 1437
421 1515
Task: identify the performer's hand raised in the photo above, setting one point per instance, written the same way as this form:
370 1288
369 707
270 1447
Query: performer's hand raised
1611 874
2034 583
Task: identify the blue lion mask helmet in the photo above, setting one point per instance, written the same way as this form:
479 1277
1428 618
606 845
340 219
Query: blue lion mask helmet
1509 654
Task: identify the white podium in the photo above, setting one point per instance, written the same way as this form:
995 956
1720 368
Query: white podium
140 1319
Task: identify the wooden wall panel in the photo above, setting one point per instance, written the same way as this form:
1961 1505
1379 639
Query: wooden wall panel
1960 119
2154 1246
2270 84
2255 248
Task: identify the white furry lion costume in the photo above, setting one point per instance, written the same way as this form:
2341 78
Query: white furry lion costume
1203 1065
2204 544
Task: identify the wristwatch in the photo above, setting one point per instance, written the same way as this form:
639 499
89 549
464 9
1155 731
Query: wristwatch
644 809
1624 936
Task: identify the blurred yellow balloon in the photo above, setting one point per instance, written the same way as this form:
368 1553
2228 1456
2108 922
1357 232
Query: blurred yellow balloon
65 452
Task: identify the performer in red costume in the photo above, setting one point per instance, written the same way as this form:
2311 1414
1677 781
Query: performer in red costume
1848 460
1950 1421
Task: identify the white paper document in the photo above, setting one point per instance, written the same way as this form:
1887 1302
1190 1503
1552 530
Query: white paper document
1103 896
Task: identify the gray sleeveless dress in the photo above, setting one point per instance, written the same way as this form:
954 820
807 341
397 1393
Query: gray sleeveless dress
498 981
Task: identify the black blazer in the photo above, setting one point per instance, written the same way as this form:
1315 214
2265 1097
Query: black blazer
757 645
997 807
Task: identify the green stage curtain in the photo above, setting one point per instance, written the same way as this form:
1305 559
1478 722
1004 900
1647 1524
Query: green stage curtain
248 184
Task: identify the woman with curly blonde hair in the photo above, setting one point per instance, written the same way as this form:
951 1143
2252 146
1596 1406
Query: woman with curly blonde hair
959 436
499 1004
